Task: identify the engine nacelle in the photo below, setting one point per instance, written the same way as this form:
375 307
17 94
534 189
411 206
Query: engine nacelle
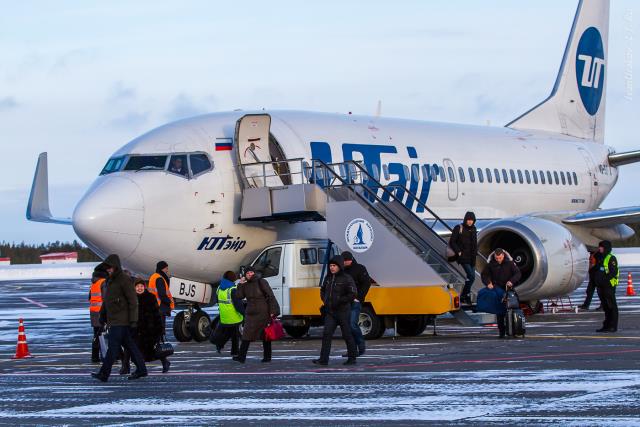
552 260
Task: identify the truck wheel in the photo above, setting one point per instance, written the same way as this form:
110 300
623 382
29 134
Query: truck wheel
296 331
199 325
411 326
180 329
370 323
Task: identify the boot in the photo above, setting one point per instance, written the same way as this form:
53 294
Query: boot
165 365
320 362
242 355
350 361
100 376
125 369
266 351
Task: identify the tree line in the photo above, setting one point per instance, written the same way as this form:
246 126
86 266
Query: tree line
22 253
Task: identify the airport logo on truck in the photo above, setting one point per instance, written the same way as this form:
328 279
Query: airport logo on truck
359 235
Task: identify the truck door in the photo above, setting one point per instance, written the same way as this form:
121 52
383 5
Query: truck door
270 263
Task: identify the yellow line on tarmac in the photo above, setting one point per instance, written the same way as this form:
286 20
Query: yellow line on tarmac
595 337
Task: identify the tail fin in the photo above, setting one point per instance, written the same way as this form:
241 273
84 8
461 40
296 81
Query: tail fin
576 105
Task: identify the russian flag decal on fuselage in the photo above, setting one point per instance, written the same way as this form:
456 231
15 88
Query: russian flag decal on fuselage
224 146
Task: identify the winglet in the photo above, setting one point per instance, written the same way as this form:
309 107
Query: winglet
38 206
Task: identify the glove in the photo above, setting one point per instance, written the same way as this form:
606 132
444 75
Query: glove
133 325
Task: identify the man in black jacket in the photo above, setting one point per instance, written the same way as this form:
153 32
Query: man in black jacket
606 280
337 293
120 309
464 242
502 272
360 276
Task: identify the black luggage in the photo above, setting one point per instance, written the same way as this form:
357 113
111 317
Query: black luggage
511 299
516 322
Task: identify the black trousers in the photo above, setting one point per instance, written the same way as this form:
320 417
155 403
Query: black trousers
226 333
331 321
591 287
120 336
244 348
607 296
95 344
501 320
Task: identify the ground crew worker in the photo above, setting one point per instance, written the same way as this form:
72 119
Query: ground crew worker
591 287
231 310
502 272
95 304
464 243
120 309
337 292
159 287
606 279
360 276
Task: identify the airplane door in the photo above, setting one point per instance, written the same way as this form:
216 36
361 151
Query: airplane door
252 151
452 182
593 175
270 264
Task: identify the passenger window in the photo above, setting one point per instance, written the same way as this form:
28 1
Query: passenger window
575 179
461 173
139 163
480 176
472 175
542 177
113 165
452 175
426 173
269 262
527 176
569 178
555 175
496 173
308 256
488 175
535 176
442 177
505 178
513 176
434 173
199 163
549 178
520 177
178 165
415 173
564 181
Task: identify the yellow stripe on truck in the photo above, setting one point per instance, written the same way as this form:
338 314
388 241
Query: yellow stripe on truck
384 300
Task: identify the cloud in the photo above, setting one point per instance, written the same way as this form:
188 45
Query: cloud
121 93
184 106
74 57
130 120
8 103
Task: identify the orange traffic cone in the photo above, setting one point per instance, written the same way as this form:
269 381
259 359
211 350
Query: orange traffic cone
22 349
630 291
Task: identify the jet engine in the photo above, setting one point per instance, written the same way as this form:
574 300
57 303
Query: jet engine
552 260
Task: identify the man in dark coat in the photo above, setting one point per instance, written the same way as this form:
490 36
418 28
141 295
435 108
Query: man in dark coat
120 309
337 292
502 272
606 280
464 242
360 276
262 306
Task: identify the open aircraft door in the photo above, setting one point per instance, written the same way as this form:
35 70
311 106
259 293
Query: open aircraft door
254 151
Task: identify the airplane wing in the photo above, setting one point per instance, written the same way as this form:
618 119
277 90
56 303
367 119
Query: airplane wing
38 206
605 217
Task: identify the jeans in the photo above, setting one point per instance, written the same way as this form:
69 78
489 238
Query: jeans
331 321
121 336
356 307
470 271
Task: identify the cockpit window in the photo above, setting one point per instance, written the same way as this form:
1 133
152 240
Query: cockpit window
113 165
199 163
178 165
139 163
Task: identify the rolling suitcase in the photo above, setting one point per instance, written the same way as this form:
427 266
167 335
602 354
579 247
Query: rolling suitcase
516 323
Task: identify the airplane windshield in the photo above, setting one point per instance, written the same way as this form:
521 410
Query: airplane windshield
138 163
113 165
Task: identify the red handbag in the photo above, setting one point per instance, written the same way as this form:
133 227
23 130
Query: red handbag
274 330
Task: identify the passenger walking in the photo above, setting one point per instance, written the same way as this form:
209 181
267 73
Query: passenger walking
231 313
159 287
606 279
120 308
591 286
501 271
464 242
262 306
337 292
360 276
149 331
98 278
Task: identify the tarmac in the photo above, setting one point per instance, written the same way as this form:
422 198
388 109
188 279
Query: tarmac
563 372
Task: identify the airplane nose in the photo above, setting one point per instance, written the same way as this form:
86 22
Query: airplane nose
109 218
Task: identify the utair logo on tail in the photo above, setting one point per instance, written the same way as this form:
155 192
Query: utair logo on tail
590 69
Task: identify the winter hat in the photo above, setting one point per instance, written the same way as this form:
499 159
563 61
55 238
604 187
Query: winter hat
161 265
470 215
347 256
249 269
606 245
337 260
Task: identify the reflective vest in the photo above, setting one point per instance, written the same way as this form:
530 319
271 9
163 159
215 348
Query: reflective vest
95 296
605 263
228 313
154 291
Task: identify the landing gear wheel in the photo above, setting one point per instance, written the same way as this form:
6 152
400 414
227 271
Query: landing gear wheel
296 331
371 324
199 325
180 329
411 326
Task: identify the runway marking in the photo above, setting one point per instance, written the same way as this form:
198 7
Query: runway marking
39 304
601 337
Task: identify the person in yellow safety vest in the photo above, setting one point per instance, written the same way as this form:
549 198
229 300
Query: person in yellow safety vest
606 278
159 287
96 291
231 314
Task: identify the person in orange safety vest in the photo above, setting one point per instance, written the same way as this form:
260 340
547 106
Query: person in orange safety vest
98 279
159 287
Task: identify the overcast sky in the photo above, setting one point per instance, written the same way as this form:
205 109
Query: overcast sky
80 79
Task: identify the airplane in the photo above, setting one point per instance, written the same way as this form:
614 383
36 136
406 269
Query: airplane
535 185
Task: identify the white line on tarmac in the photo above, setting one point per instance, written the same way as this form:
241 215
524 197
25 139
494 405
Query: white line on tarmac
39 304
